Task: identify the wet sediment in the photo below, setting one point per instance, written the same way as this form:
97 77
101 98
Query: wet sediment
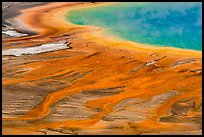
97 88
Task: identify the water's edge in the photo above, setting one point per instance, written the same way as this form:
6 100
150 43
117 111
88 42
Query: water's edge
69 16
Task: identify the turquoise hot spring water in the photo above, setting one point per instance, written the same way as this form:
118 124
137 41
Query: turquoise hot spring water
174 24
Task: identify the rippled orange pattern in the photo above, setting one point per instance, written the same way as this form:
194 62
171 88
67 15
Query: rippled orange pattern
103 85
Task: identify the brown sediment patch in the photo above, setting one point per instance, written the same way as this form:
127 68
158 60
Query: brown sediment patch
87 77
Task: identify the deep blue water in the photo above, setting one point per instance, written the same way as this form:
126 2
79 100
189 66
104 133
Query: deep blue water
176 24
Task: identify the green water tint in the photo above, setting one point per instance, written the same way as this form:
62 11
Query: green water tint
175 24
